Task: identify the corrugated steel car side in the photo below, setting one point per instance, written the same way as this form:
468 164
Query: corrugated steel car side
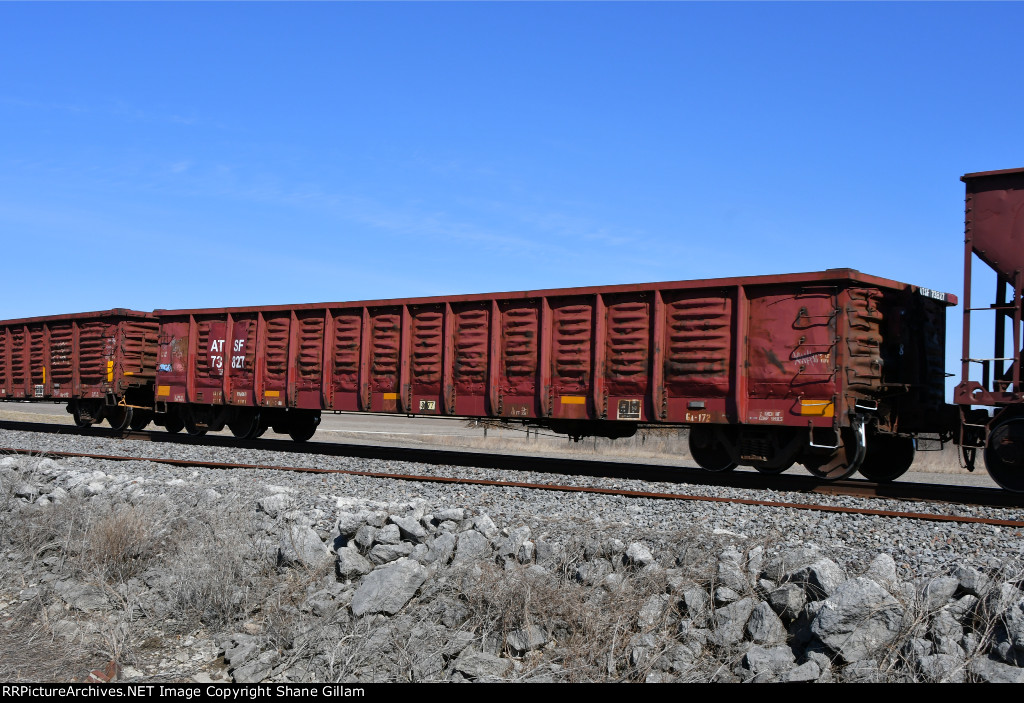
790 350
102 363
86 355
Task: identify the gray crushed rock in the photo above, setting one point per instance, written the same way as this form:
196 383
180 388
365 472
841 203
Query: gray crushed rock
718 591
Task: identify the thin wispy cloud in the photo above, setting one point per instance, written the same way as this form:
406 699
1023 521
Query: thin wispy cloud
10 101
118 109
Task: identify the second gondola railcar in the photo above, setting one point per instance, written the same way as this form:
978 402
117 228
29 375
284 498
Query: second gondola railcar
101 363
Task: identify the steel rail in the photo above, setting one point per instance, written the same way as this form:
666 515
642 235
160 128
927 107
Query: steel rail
905 490
796 483
533 486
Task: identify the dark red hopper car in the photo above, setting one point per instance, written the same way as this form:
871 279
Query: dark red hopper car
816 368
994 233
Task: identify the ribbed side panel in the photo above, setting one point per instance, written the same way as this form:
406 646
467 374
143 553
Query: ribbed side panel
697 350
385 342
207 358
94 348
571 351
243 361
628 351
60 370
311 346
277 348
38 356
138 348
520 332
213 353
427 348
5 370
471 339
19 372
864 340
347 332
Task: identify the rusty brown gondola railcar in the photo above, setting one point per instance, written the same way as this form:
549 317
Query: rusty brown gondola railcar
836 370
102 363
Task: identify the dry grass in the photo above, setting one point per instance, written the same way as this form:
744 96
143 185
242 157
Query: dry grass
208 571
31 651
120 544
591 627
985 623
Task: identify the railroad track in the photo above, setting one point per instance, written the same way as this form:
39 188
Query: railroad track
935 517
987 497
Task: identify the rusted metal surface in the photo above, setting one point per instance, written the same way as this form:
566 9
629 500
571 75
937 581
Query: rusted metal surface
994 232
934 517
795 350
994 223
80 356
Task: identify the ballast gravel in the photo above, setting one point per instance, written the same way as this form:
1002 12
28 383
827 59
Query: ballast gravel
919 547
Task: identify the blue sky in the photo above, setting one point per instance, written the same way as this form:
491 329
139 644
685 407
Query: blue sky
195 155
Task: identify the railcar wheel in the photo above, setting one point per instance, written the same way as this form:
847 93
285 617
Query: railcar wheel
1004 454
174 424
246 426
303 428
119 416
709 453
302 434
846 459
81 420
140 420
887 457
